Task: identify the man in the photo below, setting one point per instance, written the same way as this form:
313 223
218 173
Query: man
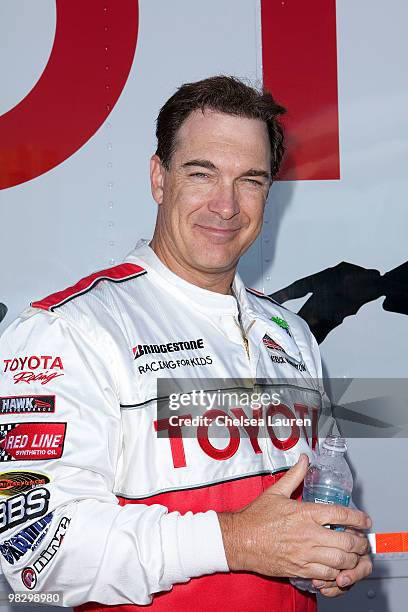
82 366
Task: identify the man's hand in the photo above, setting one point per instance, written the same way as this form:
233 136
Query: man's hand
346 578
278 536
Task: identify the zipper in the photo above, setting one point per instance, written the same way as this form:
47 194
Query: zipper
246 345
245 338
244 334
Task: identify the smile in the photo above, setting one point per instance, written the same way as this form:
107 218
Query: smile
217 231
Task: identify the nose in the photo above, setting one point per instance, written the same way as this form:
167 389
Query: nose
224 201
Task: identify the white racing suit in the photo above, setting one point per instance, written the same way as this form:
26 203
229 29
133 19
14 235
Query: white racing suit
94 504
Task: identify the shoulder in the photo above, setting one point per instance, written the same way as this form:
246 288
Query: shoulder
95 305
88 285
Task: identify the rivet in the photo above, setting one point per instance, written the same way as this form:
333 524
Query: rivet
109 165
111 243
371 593
111 224
109 146
112 262
110 186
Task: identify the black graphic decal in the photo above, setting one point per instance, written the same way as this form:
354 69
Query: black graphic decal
340 291
3 311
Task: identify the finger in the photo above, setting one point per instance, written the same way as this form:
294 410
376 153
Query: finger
333 591
343 540
326 514
318 571
334 557
357 532
324 584
292 479
362 570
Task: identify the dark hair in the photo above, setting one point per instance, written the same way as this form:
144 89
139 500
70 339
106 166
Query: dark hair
225 94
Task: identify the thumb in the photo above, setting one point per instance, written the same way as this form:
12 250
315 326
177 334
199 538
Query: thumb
292 479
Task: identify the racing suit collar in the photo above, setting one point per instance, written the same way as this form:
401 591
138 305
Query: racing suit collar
237 305
203 298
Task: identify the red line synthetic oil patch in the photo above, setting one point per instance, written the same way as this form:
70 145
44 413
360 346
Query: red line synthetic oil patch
31 441
13 483
27 404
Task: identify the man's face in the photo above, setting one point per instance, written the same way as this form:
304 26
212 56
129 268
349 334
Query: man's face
212 198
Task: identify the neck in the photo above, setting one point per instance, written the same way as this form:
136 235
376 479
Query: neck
219 282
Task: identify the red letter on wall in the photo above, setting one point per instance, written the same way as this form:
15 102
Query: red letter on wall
299 58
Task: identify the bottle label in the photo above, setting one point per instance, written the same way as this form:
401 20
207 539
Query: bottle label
319 494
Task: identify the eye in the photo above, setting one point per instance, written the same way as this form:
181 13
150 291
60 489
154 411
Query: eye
199 174
253 182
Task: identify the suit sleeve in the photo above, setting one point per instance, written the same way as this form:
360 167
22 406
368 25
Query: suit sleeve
61 528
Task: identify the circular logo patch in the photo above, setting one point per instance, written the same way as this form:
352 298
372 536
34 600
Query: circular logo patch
29 577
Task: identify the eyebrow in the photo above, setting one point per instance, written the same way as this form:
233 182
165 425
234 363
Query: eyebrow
205 163
255 172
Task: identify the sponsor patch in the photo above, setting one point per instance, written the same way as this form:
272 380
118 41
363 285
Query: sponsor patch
282 323
29 574
300 367
26 404
169 347
271 344
31 441
12 483
32 368
274 346
29 577
21 508
156 366
27 539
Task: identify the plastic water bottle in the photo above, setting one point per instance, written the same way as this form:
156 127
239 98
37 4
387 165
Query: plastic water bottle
328 481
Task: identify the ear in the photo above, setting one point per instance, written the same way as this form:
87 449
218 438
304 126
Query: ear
157 178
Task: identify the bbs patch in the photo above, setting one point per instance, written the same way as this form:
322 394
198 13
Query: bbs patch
25 507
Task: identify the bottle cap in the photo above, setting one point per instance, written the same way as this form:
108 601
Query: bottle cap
335 443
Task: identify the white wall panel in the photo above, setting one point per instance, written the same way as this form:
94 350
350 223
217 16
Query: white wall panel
89 211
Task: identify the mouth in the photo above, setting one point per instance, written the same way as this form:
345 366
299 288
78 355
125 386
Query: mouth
218 232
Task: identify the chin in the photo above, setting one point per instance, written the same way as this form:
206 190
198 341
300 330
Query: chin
215 260
212 253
